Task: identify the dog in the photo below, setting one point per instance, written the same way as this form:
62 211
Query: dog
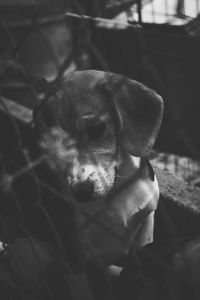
96 129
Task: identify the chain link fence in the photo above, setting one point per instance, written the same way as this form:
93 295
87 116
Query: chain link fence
41 252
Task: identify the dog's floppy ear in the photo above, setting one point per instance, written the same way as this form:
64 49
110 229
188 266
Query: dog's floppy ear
138 109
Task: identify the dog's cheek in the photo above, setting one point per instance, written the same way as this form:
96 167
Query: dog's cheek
59 148
104 179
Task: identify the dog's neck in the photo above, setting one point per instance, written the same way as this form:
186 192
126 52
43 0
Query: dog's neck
140 193
128 167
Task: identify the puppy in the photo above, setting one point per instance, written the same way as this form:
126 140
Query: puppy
97 129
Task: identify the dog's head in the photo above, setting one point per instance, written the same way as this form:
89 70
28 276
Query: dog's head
88 124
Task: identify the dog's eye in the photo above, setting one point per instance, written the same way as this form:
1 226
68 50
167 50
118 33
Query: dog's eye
96 131
91 129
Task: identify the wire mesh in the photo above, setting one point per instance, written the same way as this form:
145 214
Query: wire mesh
41 253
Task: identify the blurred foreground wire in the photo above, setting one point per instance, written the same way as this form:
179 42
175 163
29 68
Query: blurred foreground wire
41 253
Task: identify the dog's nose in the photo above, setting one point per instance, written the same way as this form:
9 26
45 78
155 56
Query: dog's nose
83 191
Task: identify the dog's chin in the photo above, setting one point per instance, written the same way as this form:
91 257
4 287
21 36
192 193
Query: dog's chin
83 192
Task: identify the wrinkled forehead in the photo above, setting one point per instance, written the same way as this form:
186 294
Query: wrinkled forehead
82 98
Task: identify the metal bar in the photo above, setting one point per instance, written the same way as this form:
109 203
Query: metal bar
98 21
139 10
17 110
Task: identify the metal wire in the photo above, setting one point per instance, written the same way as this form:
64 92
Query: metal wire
12 171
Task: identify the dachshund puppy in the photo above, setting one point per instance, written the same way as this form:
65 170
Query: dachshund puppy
97 129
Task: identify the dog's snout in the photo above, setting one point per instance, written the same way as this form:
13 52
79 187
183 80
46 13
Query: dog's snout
83 191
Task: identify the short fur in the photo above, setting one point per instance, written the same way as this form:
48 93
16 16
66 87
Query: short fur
97 130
